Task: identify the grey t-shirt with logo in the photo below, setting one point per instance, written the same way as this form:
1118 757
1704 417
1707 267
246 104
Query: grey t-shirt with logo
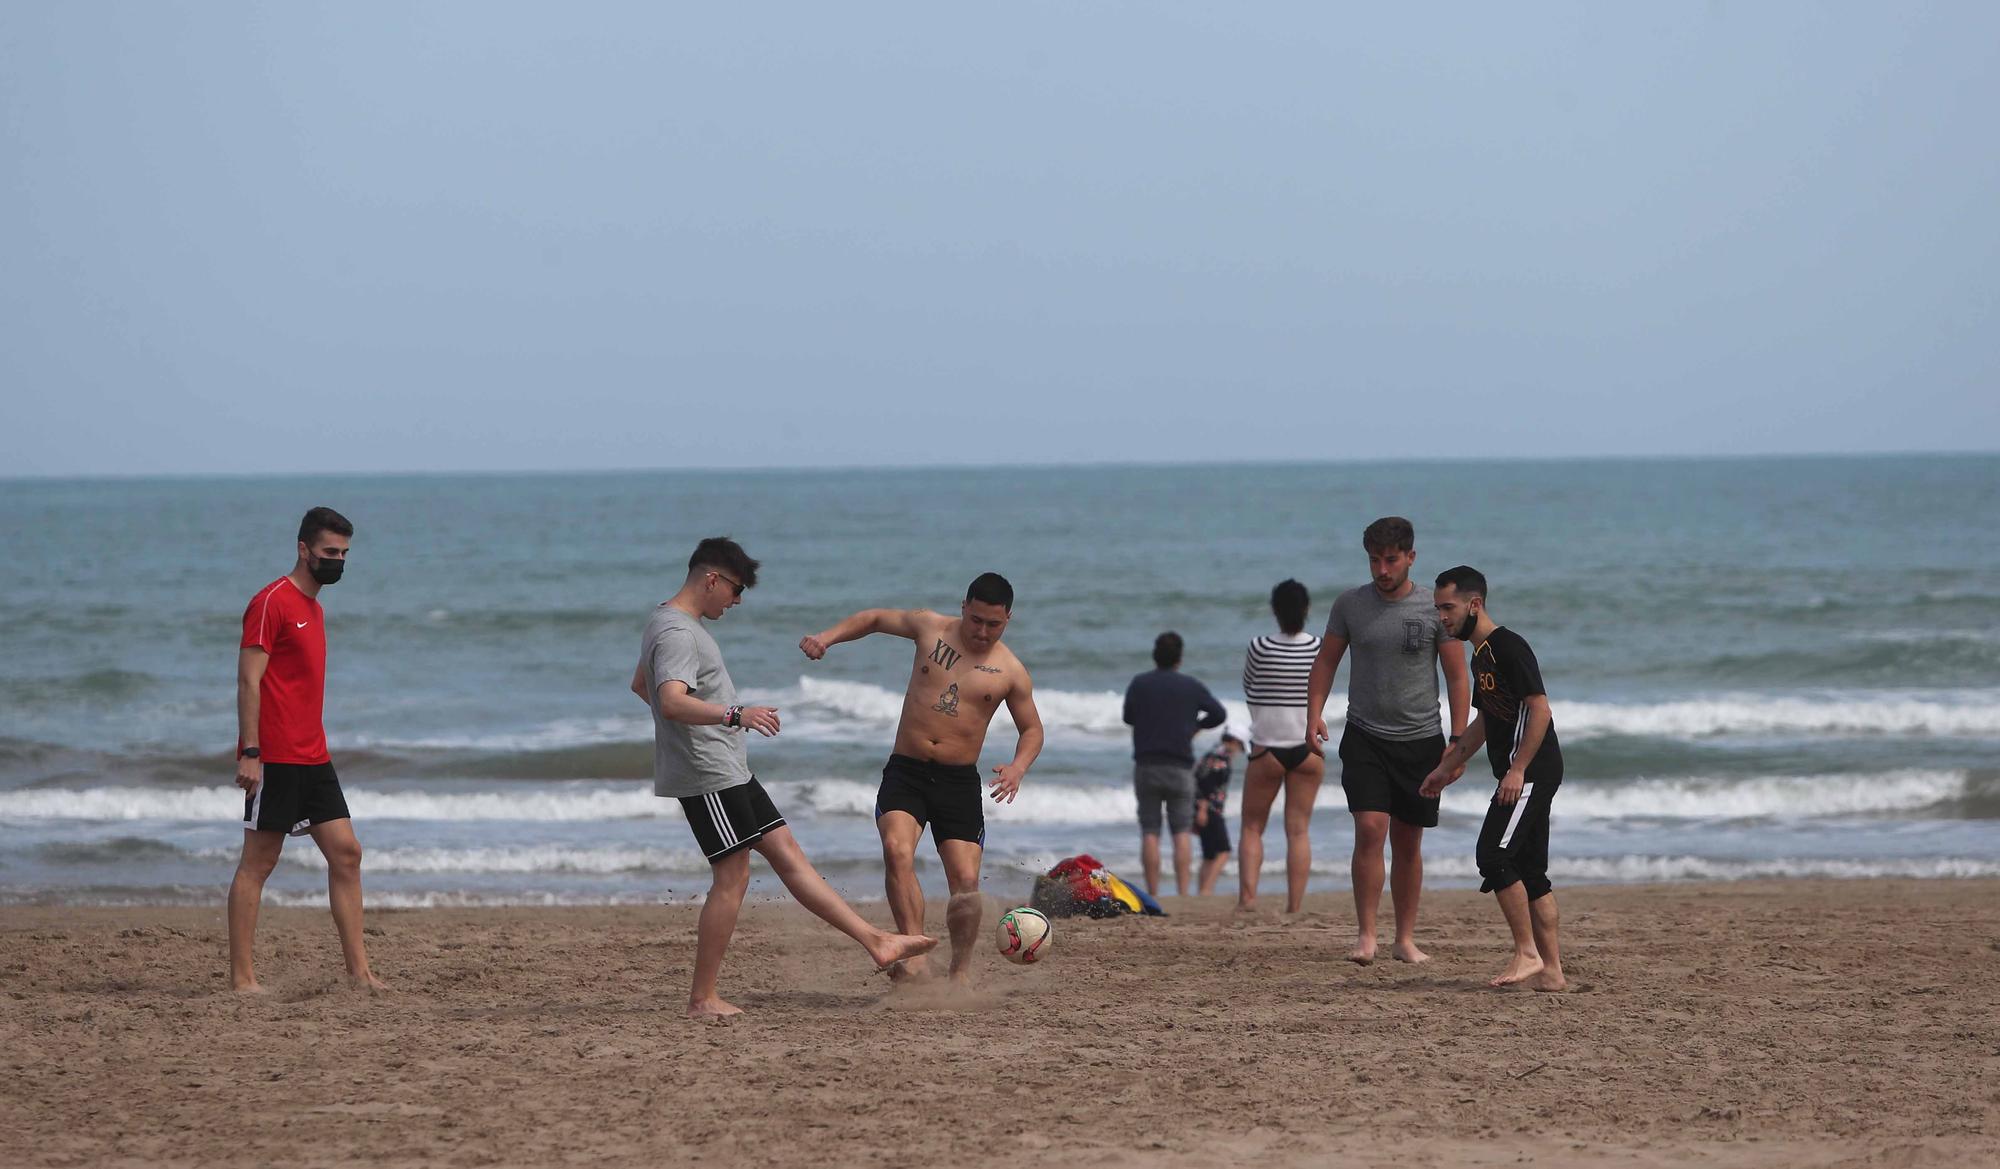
690 760
1392 651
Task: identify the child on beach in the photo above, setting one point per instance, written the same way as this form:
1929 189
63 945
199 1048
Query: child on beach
1211 790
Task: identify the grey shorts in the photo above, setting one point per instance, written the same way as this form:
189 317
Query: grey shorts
1169 784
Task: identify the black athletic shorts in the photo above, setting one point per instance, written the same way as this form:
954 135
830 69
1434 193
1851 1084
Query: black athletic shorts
1214 835
1383 775
732 819
945 796
1514 841
1288 758
294 797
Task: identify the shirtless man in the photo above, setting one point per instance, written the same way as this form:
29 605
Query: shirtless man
958 679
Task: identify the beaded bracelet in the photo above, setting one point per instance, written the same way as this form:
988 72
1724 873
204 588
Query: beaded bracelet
732 717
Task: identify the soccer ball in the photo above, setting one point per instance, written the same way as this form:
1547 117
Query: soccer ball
1024 935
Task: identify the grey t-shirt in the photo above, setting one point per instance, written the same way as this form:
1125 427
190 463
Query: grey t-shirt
688 760
1392 651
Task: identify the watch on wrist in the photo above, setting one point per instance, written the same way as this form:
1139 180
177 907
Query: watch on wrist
1454 740
249 753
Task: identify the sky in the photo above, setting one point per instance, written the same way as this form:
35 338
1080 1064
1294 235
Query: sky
241 238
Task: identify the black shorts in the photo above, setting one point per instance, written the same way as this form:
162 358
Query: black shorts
293 798
1514 841
1214 835
732 819
1289 758
1383 775
942 795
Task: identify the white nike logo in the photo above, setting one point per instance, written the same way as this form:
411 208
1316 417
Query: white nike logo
302 625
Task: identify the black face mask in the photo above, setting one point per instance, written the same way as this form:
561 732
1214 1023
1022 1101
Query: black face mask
1465 627
326 570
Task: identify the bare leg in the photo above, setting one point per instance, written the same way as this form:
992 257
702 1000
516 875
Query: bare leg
712 932
1406 887
1301 792
343 891
1211 870
1526 961
1149 860
781 849
246 893
967 907
1262 779
1370 830
900 833
1183 861
1543 910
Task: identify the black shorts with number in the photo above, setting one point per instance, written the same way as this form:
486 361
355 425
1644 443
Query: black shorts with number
1514 840
1383 775
293 798
945 796
732 819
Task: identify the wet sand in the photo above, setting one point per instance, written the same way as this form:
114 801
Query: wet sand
1753 1024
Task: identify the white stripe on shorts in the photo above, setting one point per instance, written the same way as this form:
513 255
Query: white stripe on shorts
723 829
1514 821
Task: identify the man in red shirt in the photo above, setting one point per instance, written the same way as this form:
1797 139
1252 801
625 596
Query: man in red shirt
282 763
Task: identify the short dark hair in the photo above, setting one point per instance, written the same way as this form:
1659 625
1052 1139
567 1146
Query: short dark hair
1289 602
990 588
323 519
724 555
1167 650
1469 581
1391 531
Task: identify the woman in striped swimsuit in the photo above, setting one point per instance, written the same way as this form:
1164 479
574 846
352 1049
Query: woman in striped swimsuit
1275 672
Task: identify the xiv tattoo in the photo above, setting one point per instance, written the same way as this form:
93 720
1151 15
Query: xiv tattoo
944 655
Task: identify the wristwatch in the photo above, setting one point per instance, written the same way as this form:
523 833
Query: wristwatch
1454 740
249 753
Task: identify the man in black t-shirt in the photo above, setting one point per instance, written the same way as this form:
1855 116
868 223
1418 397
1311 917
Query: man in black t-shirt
1520 737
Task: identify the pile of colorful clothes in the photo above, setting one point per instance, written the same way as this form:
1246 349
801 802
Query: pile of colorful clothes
1082 887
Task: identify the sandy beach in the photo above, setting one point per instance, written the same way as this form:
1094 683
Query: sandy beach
1758 1023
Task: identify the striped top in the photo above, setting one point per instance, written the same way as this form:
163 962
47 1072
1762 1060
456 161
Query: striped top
1275 672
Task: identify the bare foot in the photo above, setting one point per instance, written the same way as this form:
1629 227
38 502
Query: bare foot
1520 968
1408 952
1550 981
711 1008
961 980
366 980
892 950
1363 953
250 987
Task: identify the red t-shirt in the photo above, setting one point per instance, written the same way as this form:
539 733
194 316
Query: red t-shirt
288 625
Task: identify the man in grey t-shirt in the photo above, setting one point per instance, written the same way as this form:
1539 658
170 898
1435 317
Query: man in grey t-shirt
699 759
1392 739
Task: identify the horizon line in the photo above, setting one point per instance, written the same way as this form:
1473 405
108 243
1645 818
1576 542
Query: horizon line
1039 465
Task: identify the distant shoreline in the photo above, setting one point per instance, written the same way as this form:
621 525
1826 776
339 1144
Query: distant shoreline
686 470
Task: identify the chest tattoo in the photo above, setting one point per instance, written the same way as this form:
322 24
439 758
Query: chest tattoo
987 669
944 655
947 703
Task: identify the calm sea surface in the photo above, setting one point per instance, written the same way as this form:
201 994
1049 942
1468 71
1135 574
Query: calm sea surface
1758 668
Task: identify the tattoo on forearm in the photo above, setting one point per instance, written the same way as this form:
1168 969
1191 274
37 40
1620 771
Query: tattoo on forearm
947 704
944 655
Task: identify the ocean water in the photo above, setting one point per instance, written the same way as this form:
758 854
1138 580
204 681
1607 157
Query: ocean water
1758 668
